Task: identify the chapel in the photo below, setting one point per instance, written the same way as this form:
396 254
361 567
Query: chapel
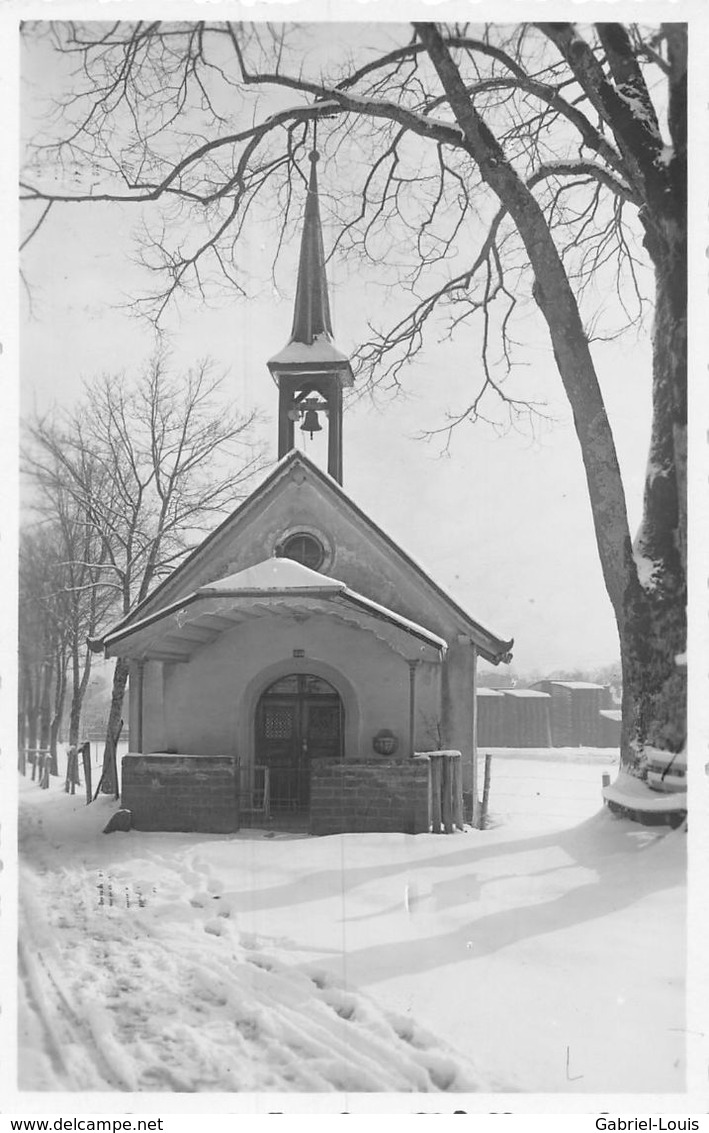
298 668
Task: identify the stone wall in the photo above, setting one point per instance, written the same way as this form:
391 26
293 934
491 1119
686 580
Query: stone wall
369 796
181 792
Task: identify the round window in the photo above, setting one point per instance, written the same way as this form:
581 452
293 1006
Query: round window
305 549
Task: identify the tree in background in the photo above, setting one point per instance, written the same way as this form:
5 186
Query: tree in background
44 641
147 463
500 169
73 557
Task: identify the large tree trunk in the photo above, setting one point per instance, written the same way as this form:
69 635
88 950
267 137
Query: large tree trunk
647 586
654 641
109 784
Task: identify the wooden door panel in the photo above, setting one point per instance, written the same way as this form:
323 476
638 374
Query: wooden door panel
299 718
277 732
323 730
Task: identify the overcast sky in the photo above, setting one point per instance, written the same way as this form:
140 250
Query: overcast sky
503 523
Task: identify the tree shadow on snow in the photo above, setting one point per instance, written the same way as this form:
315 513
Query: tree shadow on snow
602 843
625 862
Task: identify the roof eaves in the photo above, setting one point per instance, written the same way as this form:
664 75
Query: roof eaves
391 616
498 649
273 476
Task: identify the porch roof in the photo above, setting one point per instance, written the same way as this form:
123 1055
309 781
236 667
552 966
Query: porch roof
275 587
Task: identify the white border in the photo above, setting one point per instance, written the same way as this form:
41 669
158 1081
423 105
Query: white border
696 1099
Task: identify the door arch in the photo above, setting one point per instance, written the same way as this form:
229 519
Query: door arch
299 717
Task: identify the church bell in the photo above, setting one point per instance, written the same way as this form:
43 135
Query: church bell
311 423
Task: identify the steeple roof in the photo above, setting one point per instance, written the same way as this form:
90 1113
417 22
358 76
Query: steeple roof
311 317
310 346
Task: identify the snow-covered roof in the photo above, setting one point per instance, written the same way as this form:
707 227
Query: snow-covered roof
577 684
530 693
278 574
320 353
274 586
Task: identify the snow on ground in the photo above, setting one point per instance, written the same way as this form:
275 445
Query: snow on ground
543 954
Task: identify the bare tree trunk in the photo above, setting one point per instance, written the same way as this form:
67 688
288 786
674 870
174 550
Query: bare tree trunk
56 721
22 725
80 682
23 708
45 704
32 712
109 785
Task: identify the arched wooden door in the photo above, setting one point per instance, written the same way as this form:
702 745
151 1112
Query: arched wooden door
298 718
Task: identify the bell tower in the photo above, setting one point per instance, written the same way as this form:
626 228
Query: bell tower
310 371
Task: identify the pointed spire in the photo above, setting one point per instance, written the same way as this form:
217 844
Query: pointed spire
310 371
311 317
310 348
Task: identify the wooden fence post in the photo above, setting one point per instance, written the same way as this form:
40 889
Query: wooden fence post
457 789
447 793
486 790
86 760
435 772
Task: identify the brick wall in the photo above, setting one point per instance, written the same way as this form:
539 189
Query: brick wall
369 796
181 792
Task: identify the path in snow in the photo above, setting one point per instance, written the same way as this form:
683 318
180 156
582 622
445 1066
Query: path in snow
138 977
545 954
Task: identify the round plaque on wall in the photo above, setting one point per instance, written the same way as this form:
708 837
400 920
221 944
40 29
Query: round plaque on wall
385 742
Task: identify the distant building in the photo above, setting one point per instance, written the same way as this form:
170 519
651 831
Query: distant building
575 712
550 714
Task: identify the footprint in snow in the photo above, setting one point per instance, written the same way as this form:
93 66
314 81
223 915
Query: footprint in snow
215 928
443 1074
320 980
203 900
344 1010
405 1032
260 962
408 1032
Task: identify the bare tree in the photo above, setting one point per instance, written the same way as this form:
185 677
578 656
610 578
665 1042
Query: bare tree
80 583
499 169
44 640
147 465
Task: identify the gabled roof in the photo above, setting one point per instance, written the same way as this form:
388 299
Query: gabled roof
492 647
